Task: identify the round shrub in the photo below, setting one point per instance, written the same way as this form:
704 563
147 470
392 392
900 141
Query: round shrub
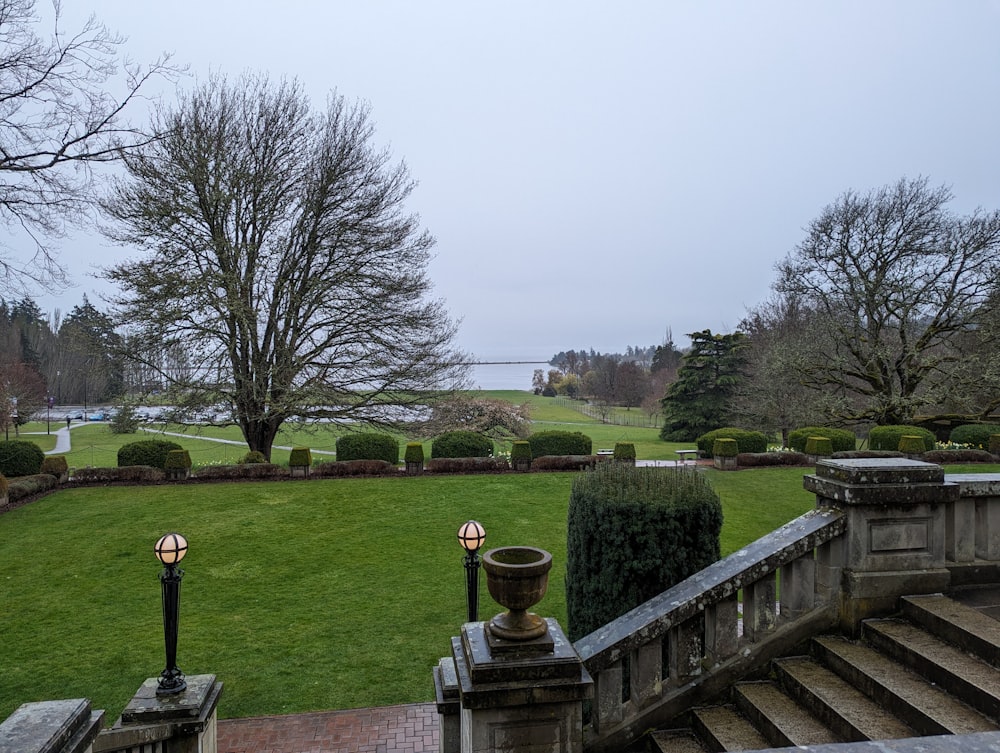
368 446
887 437
819 446
151 452
414 452
746 440
20 458
556 442
977 436
252 458
842 440
300 456
177 460
631 534
910 444
461 444
725 447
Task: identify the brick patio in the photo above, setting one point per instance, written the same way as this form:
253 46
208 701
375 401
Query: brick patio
411 728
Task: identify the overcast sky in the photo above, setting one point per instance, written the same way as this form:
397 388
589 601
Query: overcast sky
596 173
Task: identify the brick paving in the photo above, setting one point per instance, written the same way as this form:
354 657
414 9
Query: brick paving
410 728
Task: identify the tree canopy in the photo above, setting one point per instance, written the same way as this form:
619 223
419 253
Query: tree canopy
279 256
899 290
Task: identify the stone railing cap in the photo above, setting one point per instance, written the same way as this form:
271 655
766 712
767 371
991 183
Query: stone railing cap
871 471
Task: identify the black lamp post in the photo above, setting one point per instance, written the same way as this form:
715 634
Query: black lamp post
170 550
471 536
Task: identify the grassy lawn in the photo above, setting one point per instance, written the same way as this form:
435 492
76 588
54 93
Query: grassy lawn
299 595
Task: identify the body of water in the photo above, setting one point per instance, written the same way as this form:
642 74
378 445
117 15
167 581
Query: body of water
505 376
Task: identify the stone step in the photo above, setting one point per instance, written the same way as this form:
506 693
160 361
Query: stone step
964 626
924 706
782 721
971 679
847 711
676 741
722 728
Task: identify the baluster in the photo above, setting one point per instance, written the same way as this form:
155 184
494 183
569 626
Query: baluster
758 608
798 588
646 673
685 650
988 528
960 530
829 565
608 704
722 638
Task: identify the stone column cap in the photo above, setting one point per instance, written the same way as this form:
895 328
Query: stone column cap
869 471
67 726
197 702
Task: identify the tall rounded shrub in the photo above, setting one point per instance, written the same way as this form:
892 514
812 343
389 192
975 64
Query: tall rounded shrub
461 444
152 452
887 437
20 458
368 446
555 442
975 435
746 440
841 440
631 534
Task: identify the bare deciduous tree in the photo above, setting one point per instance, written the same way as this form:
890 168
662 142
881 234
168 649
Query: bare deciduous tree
279 255
63 103
896 280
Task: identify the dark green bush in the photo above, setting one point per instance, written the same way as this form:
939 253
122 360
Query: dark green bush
152 452
725 447
252 457
300 456
746 440
564 462
177 460
841 439
624 451
631 534
414 452
887 437
20 458
241 471
555 442
910 444
761 459
944 457
977 436
461 444
368 446
520 450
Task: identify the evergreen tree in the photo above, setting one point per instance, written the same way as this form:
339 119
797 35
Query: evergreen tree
700 399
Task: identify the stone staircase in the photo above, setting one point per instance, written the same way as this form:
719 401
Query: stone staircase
930 670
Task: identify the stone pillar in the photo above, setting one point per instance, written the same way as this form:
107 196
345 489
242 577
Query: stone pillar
449 706
51 727
896 524
185 722
520 695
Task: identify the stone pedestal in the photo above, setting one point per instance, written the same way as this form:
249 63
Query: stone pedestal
895 540
300 471
51 727
185 722
520 695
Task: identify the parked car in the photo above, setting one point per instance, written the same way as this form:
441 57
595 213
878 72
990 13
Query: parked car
75 415
98 416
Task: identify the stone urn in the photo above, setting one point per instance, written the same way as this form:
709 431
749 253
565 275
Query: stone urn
517 577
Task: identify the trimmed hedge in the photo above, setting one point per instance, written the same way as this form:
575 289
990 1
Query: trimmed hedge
28 486
624 451
819 446
762 459
20 458
300 456
177 460
556 442
355 468
414 452
55 465
151 452
368 446
127 473
944 457
565 462
887 437
974 435
746 440
910 444
467 465
520 450
244 471
461 444
631 534
725 447
841 439
864 454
